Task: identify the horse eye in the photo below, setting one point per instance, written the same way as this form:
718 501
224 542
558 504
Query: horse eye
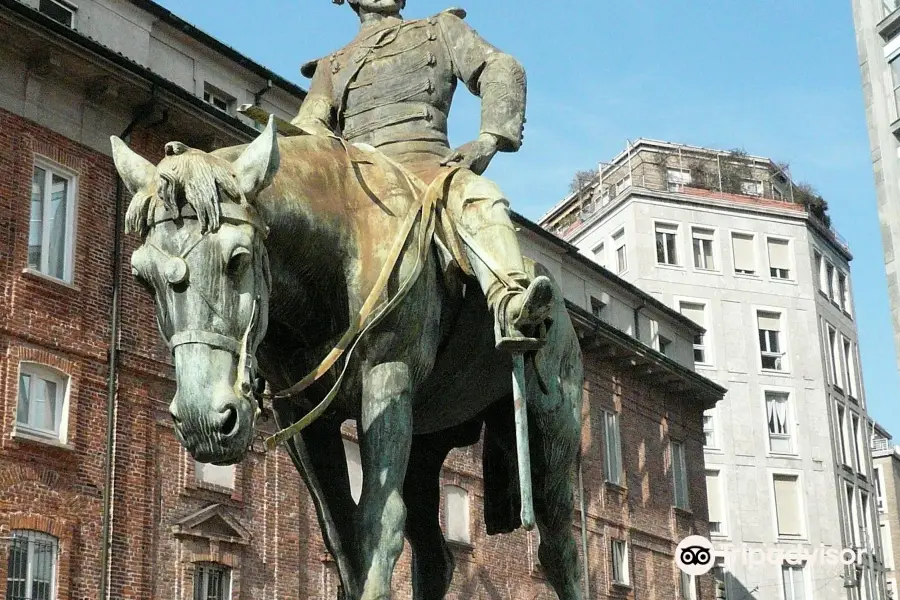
239 261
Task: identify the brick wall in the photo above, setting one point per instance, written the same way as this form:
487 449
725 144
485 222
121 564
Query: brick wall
164 523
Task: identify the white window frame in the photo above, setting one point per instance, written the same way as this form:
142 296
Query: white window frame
790 421
712 415
723 500
681 496
819 265
806 581
211 94
880 502
757 189
618 553
867 535
790 254
620 246
623 184
755 258
783 349
842 417
844 293
801 508
665 229
202 570
612 446
887 545
705 234
66 6
465 518
677 179
830 280
858 428
687 586
32 536
63 383
852 512
50 169
706 341
848 362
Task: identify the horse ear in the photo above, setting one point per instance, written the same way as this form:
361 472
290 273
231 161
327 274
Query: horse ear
136 171
257 165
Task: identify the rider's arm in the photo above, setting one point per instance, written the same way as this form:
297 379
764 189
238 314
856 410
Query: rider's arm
316 114
496 77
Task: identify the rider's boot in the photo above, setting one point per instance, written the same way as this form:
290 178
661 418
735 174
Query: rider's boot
520 305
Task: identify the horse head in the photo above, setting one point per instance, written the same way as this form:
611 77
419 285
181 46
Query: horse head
204 261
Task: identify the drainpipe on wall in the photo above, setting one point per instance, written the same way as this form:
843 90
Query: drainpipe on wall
141 114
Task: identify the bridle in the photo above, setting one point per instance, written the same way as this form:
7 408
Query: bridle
176 272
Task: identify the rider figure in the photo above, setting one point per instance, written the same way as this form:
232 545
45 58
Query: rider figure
391 88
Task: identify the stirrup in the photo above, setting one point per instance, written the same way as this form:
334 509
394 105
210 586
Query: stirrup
527 331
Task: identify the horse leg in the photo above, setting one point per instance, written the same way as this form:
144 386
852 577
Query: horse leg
325 473
555 439
385 439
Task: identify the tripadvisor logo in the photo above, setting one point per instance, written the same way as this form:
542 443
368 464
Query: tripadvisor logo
694 555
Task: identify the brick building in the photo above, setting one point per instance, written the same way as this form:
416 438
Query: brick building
98 499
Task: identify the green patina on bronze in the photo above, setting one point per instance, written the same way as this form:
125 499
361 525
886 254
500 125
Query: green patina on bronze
262 257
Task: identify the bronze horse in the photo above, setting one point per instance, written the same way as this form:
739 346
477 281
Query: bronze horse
258 258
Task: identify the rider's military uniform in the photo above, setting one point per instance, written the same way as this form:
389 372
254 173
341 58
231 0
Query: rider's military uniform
391 88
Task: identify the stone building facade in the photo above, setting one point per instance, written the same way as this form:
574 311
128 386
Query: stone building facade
88 459
886 461
731 241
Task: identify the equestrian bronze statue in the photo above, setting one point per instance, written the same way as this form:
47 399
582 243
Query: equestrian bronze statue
361 281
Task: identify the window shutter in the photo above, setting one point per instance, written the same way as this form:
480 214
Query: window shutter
744 259
714 496
769 321
779 257
694 312
787 505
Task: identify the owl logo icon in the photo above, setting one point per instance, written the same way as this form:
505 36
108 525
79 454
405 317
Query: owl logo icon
694 555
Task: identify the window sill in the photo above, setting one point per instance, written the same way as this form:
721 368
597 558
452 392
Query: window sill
791 455
684 512
713 450
672 267
707 271
28 435
615 487
775 372
31 273
620 587
783 280
705 366
792 539
750 276
718 536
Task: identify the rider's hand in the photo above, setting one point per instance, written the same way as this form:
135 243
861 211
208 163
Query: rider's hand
475 156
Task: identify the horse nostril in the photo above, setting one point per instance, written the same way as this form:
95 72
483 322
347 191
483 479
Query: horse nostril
229 421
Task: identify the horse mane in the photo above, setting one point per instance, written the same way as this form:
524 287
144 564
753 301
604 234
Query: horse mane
185 176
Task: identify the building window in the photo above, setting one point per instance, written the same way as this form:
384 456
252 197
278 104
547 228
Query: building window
888 6
843 293
354 468
709 429
604 197
613 448
597 307
676 179
621 255
217 98
879 489
665 345
788 513
887 545
679 476
219 476
779 258
777 417
696 312
666 244
42 400
868 532
600 255
751 187
849 367
895 75
794 581
456 513
859 445
715 494
770 343
891 586
50 227
687 586
31 566
61 12
777 193
703 240
212 581
829 280
744 254
720 583
844 435
623 183
619 560
852 513
834 353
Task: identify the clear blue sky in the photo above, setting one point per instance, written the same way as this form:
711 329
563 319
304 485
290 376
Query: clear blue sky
779 78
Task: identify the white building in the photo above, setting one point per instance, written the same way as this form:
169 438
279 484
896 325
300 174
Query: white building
728 240
878 44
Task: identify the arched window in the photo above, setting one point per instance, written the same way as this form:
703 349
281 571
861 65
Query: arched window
354 468
41 407
212 581
456 514
31 568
